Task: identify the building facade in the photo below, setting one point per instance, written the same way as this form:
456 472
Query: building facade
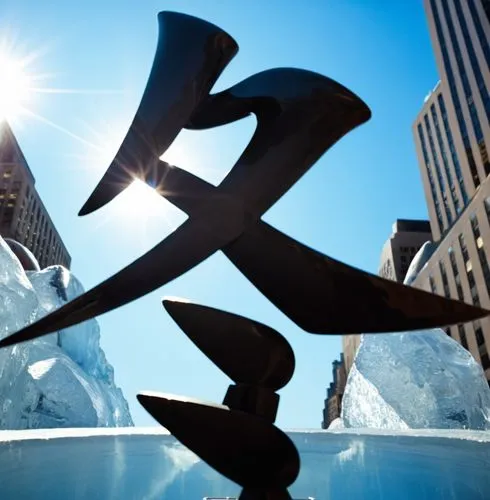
459 268
350 344
333 403
460 34
407 238
452 138
23 216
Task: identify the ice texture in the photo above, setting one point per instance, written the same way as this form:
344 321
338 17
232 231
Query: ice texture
148 464
62 379
415 380
421 379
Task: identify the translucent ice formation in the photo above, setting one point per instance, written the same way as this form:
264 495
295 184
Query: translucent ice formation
422 379
63 379
415 380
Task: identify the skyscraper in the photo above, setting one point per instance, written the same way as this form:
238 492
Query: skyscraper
23 216
452 137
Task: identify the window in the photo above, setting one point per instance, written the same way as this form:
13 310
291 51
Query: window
464 249
474 226
445 284
485 362
432 284
462 336
454 268
480 339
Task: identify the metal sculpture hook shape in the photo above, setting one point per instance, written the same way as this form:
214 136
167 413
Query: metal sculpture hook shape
300 115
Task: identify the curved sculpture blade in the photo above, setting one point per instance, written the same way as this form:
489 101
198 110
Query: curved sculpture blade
186 247
246 449
231 342
190 56
300 115
325 296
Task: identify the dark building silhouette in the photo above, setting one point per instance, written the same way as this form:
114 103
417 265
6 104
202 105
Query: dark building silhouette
23 216
333 403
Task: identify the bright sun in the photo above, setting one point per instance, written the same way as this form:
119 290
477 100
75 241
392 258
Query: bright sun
14 87
138 202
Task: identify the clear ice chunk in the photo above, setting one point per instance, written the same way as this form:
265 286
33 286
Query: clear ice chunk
62 379
421 379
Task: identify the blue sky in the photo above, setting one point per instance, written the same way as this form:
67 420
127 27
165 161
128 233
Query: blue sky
99 53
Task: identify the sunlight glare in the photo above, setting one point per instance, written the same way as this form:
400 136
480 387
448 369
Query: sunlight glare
14 87
140 201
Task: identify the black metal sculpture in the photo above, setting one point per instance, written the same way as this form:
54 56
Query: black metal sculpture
300 115
237 438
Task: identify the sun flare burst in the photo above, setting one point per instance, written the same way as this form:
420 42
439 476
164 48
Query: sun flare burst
15 87
24 87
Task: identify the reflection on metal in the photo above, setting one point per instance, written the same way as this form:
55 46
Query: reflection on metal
300 115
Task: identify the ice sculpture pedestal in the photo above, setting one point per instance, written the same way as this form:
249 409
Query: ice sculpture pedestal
147 463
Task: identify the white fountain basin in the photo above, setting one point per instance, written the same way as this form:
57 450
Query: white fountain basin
147 463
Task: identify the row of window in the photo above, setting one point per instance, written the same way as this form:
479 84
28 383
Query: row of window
479 28
452 148
35 231
443 136
473 59
454 94
463 75
440 179
482 256
412 250
432 187
449 177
